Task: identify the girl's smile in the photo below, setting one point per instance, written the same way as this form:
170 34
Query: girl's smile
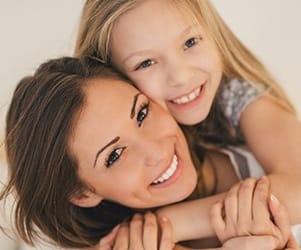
189 101
176 64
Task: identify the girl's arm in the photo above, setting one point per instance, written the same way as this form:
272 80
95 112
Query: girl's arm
274 136
191 220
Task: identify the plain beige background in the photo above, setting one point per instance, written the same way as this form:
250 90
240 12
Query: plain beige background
32 31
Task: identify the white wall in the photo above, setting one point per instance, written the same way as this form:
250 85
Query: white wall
34 30
272 30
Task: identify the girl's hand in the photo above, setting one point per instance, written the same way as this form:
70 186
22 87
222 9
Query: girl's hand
246 212
141 233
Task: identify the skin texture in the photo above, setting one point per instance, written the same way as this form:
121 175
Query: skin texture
167 65
144 151
237 227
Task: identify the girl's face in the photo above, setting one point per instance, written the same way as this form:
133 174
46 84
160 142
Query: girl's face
128 149
169 57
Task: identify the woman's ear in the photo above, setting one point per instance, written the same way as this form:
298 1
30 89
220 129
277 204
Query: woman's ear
86 198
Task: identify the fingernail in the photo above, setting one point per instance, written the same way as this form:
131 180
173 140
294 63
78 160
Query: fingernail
164 219
116 227
274 200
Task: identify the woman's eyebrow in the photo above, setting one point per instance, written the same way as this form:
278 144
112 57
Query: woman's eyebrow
134 105
116 139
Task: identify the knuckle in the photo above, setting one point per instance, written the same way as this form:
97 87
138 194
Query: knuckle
260 229
247 185
230 201
150 227
136 221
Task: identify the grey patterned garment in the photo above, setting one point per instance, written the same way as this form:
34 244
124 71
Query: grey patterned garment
235 95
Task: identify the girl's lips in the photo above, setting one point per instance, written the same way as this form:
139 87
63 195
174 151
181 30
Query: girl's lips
191 104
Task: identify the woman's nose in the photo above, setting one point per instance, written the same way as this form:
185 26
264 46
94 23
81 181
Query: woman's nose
156 152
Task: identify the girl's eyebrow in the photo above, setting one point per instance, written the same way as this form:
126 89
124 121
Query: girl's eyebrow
137 53
185 32
116 139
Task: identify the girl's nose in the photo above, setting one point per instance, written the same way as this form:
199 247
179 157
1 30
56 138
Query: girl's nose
178 73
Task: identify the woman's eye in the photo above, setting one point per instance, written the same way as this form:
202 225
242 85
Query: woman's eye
142 113
145 64
114 156
190 42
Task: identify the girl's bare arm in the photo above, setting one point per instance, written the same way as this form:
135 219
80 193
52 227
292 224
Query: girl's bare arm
274 136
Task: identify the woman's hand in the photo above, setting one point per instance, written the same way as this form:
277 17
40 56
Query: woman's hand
142 233
246 212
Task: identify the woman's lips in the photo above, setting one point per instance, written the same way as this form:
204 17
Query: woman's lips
170 175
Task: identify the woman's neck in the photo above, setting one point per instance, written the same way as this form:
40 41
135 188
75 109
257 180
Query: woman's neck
216 175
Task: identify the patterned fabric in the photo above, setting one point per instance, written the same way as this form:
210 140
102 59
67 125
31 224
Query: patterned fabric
243 162
234 96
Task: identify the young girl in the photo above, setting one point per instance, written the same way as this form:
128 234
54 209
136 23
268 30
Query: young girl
183 55
82 144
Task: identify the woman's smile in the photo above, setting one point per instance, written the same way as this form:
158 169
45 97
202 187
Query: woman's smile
129 149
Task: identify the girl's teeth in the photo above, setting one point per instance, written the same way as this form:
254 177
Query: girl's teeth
169 172
188 98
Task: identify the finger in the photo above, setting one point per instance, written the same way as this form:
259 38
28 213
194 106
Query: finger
136 225
231 209
261 214
281 217
150 231
122 238
292 243
166 242
245 200
217 220
107 242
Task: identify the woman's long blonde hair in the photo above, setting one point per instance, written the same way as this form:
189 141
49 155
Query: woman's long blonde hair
97 21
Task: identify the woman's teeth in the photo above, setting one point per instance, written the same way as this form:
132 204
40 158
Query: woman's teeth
188 98
169 172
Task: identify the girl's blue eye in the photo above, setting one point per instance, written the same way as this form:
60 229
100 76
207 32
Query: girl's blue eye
142 113
114 156
190 42
145 64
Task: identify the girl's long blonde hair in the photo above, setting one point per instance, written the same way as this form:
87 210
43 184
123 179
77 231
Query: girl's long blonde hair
97 21
99 16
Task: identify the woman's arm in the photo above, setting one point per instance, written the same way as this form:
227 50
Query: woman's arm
191 219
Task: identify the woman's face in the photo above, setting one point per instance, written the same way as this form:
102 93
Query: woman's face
128 149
